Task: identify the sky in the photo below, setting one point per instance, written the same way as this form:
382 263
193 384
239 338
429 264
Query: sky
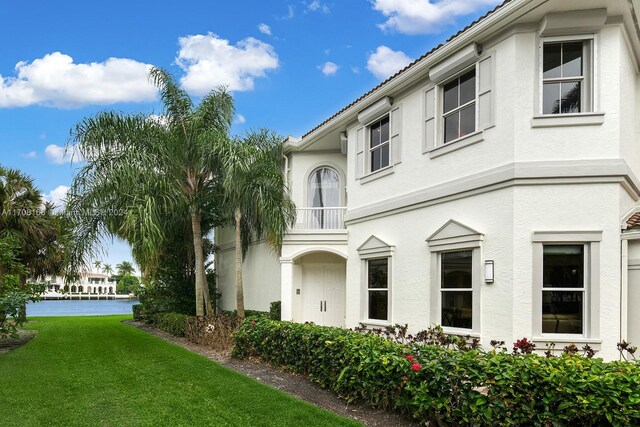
290 64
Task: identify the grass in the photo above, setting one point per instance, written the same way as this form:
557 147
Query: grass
97 371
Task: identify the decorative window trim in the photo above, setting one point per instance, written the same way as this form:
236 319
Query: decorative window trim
374 248
363 137
432 104
591 240
590 74
454 236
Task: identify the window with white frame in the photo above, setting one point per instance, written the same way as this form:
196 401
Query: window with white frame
456 288
566 283
378 289
455 277
377 279
378 144
564 271
566 76
459 106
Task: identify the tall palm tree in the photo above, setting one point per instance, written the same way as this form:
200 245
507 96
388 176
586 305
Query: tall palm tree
107 269
97 265
125 268
141 171
256 195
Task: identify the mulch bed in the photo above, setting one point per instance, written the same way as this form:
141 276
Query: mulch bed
294 384
24 336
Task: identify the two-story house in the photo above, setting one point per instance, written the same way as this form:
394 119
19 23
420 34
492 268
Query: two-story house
490 187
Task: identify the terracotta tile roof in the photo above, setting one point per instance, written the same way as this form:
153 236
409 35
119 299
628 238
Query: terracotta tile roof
409 66
634 221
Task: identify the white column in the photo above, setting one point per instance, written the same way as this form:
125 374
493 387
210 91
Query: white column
286 288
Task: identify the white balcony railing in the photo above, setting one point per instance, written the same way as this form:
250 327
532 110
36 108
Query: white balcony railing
320 219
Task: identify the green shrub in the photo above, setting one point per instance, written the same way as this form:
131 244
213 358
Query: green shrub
275 312
137 312
173 323
443 386
247 313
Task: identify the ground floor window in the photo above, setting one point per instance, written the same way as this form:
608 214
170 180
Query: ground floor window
456 287
378 288
563 289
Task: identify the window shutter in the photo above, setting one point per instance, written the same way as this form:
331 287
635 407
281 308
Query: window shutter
360 152
396 124
485 95
429 120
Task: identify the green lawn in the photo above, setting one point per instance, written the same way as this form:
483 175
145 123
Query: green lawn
97 371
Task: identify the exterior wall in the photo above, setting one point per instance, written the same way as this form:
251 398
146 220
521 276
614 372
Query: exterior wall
633 294
490 214
569 208
260 274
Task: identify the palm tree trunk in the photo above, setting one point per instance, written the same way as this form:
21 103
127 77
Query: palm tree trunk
207 294
197 249
239 290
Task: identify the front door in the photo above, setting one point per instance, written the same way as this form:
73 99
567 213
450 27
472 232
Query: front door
323 293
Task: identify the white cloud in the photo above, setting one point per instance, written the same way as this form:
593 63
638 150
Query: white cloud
264 29
329 68
60 155
58 195
240 119
31 155
317 6
55 80
290 13
426 16
210 61
384 62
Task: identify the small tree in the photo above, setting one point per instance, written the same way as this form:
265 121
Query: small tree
128 285
14 295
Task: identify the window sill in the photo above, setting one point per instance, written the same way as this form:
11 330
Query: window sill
377 174
375 323
558 120
461 332
563 340
456 144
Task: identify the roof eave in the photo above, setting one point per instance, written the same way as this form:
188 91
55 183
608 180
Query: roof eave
408 76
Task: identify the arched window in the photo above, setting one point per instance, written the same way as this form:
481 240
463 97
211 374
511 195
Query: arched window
323 197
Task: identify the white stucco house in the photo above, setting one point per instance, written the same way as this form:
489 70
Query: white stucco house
491 187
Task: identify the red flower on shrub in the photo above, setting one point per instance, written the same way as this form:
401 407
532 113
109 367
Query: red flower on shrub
416 367
410 358
253 322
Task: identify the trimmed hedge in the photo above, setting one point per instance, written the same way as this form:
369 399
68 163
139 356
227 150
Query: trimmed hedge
173 323
450 387
137 312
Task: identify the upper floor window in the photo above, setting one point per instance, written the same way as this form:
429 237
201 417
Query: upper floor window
379 144
459 106
566 79
324 197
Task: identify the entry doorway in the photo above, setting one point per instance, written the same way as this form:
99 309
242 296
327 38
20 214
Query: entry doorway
323 293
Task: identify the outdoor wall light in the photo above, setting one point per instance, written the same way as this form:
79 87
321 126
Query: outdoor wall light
488 271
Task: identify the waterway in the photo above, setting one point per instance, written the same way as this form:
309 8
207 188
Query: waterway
79 307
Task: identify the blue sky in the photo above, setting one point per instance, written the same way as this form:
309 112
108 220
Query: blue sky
290 64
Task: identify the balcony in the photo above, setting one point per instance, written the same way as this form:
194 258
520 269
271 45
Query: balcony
320 219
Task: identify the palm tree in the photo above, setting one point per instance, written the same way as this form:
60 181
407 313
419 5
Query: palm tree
256 195
107 269
33 222
97 265
125 268
147 170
